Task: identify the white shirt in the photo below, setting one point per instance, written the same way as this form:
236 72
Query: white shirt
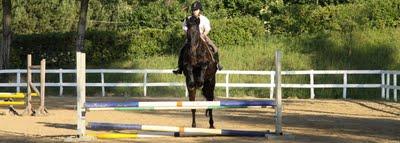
204 25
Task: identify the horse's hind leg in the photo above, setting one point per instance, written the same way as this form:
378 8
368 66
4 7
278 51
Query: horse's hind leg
192 97
211 121
208 93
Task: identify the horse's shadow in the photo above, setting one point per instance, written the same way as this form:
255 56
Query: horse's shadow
59 125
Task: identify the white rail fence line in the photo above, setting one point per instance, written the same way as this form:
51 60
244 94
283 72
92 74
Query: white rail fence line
388 80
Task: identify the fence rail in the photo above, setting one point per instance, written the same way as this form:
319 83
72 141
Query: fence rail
388 80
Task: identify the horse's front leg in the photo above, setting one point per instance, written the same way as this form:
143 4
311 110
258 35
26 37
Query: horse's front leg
190 79
202 76
192 97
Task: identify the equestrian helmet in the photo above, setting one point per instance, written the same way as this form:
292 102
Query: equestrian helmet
197 5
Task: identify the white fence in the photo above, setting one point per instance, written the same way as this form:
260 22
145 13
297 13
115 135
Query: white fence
388 80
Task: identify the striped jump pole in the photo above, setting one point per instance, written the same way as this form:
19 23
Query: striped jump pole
168 108
179 131
135 105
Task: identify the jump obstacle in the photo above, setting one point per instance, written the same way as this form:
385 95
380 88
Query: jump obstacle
29 110
82 107
8 98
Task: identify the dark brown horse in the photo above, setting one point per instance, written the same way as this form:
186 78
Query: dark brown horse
199 67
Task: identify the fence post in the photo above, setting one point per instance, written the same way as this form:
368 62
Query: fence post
145 83
227 85
388 88
395 84
345 85
18 80
382 85
60 77
271 89
312 85
278 93
103 89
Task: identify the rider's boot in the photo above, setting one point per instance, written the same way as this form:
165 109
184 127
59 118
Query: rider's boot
216 57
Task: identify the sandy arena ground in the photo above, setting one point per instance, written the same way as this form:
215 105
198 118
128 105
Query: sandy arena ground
305 121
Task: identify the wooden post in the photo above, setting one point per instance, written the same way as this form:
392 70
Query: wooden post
42 108
278 93
28 99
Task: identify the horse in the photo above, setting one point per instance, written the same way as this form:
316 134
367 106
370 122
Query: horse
199 67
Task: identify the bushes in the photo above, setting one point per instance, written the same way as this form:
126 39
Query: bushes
343 16
280 16
236 31
56 47
107 47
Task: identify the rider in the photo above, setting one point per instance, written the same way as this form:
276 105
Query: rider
205 28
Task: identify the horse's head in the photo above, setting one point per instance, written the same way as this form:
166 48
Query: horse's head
193 33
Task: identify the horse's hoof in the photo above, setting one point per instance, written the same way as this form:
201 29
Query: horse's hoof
193 125
212 127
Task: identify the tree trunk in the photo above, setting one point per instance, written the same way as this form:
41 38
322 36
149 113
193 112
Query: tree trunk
5 48
82 26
